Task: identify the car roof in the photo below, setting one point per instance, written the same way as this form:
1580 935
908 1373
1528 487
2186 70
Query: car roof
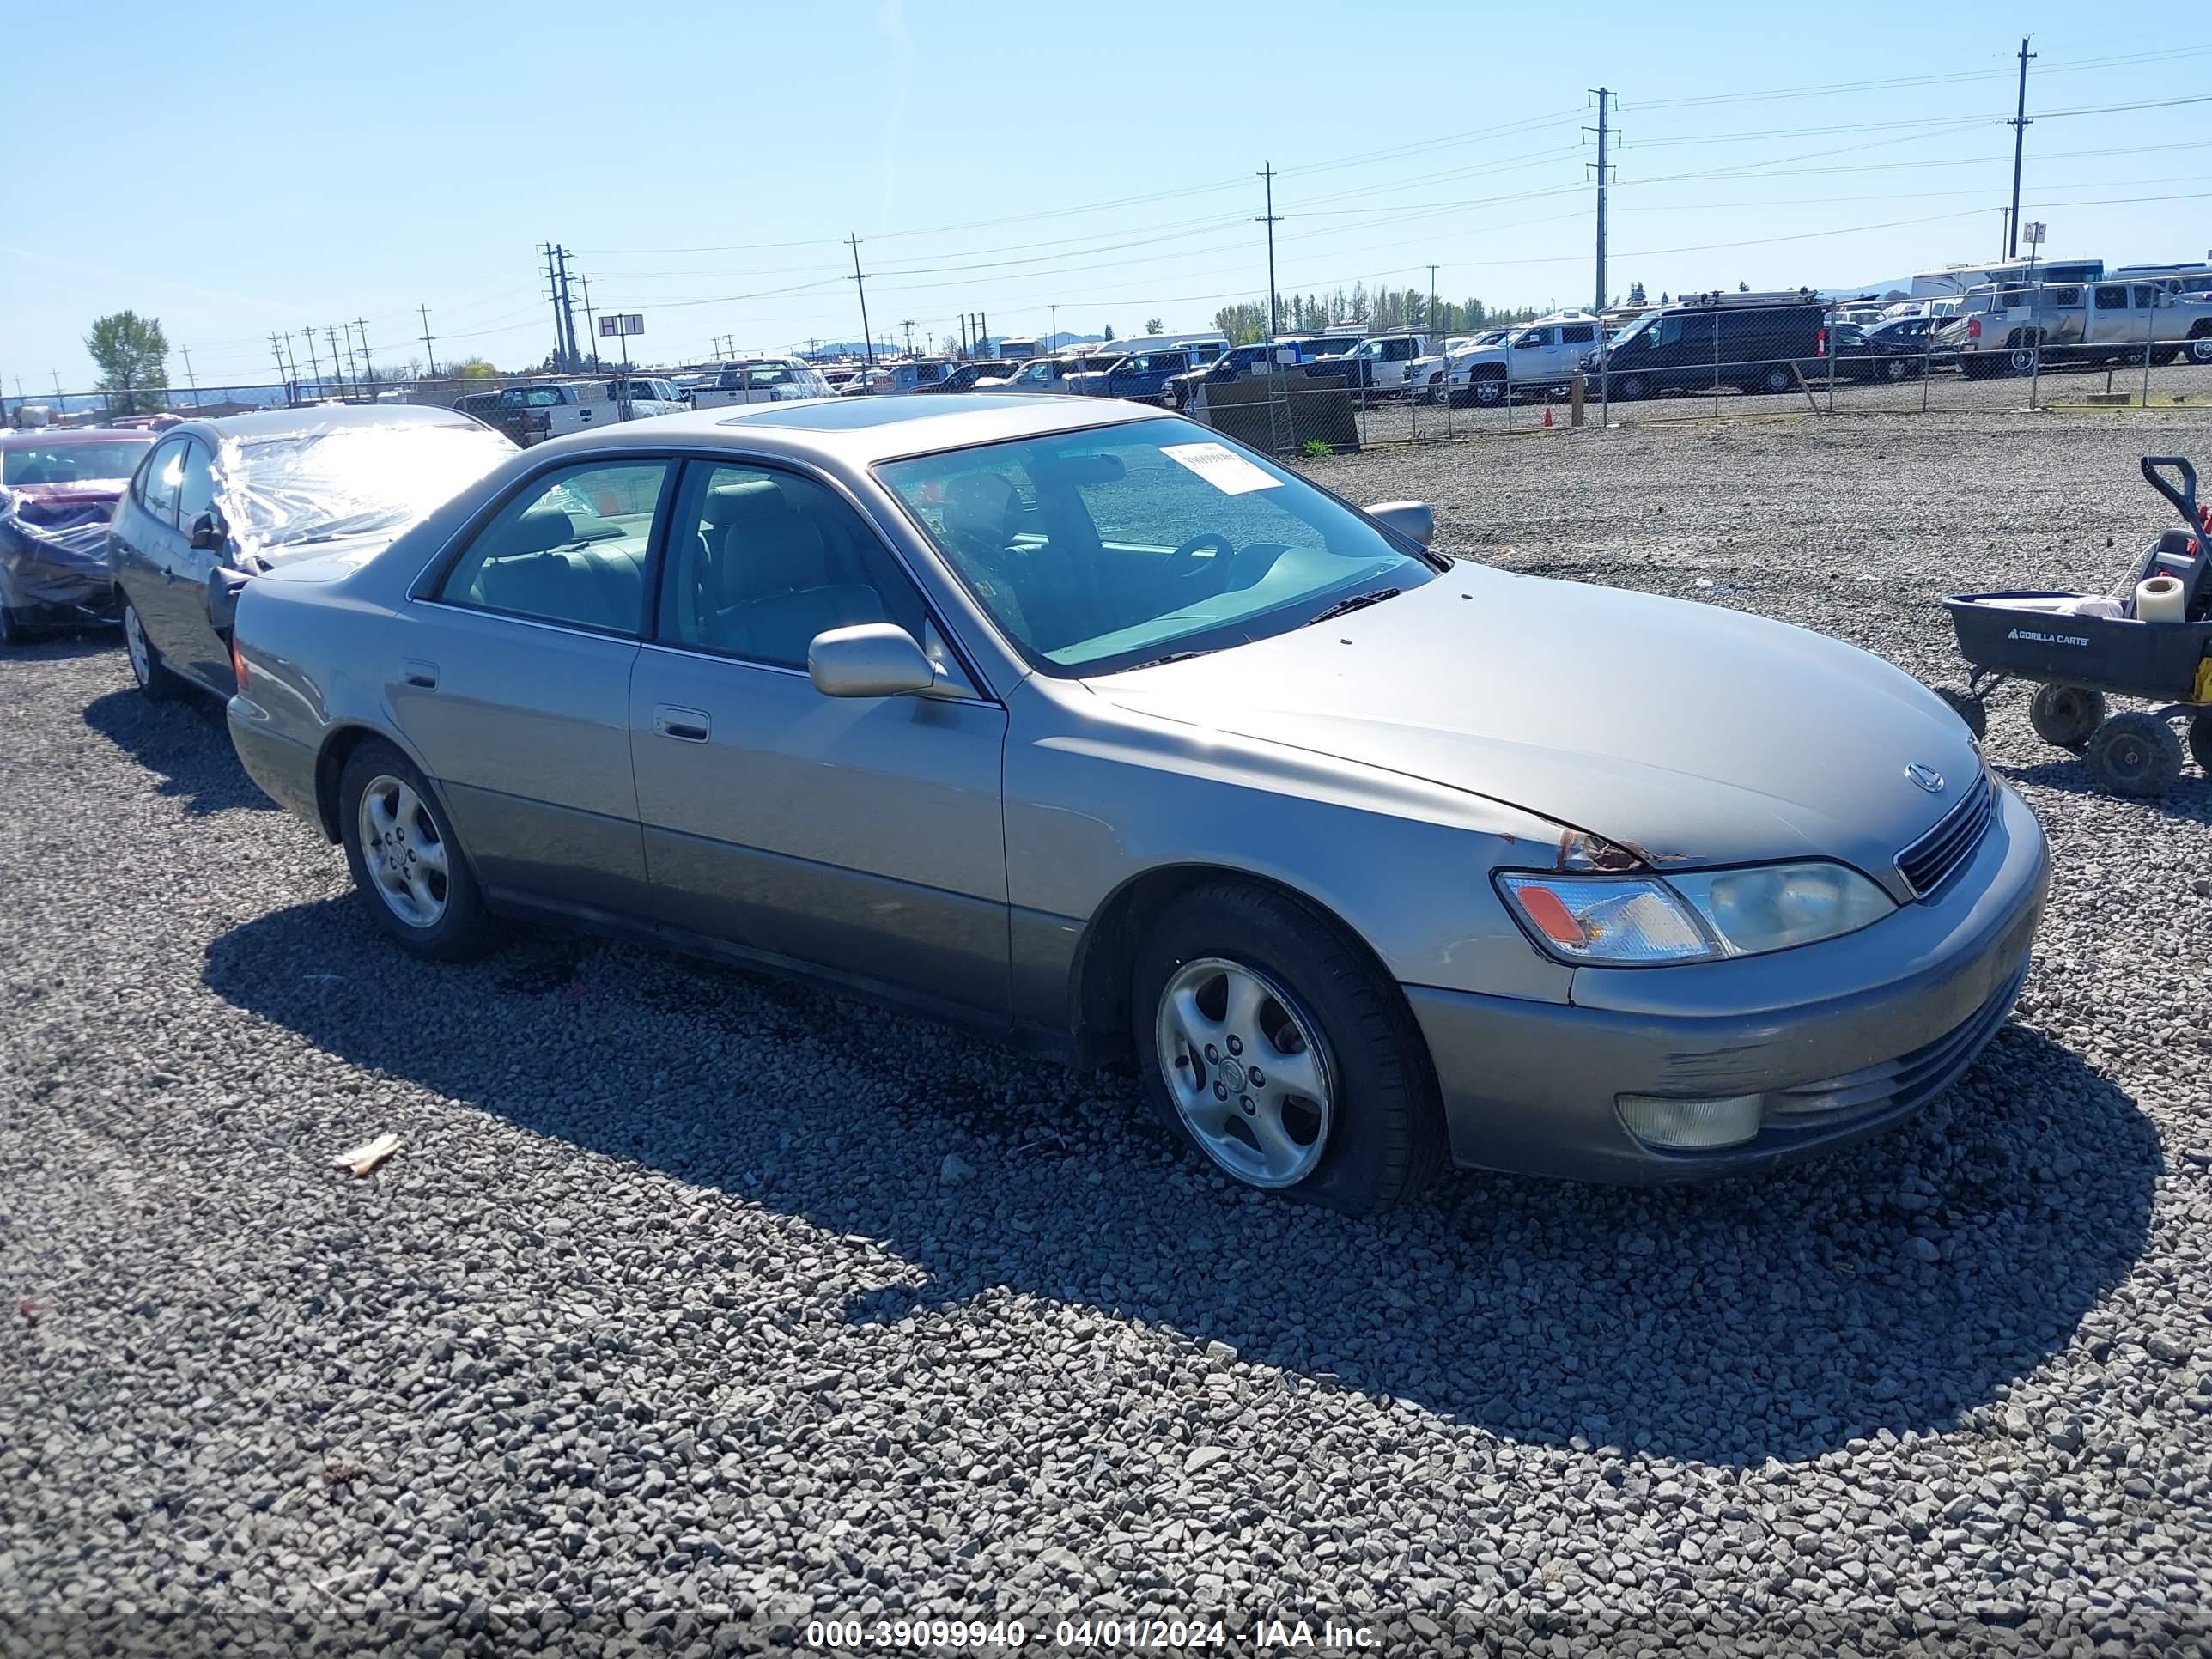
45 437
321 417
861 431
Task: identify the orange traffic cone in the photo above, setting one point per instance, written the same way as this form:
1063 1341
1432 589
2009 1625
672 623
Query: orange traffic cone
1547 417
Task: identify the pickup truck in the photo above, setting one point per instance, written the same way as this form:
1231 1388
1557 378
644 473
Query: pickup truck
1141 377
549 409
761 380
2012 328
1534 357
1381 364
1429 378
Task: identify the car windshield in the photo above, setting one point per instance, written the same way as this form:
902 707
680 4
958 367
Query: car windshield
349 480
69 464
1112 547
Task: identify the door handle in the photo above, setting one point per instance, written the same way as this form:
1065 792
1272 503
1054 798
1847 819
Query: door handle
418 673
686 725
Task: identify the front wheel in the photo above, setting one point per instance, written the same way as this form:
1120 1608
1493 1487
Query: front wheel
1489 391
1897 369
1777 379
406 860
1632 388
1270 1043
2066 716
2200 349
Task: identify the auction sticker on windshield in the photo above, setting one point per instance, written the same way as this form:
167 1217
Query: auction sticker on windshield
1225 470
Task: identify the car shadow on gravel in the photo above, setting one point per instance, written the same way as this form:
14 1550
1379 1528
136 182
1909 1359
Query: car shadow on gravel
183 744
2191 798
1886 1289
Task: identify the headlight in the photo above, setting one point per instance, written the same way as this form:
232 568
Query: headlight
1699 917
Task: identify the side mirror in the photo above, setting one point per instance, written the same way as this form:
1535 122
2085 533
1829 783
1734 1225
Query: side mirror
206 531
1413 519
869 660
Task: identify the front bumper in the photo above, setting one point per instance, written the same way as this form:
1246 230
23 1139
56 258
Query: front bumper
1845 1038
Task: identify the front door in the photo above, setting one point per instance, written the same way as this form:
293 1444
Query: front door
149 548
512 681
859 836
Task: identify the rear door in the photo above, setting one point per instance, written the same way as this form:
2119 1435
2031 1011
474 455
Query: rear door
1576 341
149 549
512 681
2111 321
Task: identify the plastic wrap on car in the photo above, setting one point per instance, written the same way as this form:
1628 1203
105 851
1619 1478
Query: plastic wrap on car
317 483
54 553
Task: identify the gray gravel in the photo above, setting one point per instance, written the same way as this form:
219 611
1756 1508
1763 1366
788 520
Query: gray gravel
695 1306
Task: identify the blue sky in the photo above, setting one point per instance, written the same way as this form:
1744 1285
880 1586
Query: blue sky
703 163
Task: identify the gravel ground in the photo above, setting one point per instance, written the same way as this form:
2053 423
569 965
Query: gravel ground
695 1307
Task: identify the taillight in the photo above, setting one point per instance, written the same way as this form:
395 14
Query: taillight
1973 328
1820 345
237 661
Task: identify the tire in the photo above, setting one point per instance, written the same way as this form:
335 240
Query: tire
1633 388
1378 1136
1486 391
1897 369
449 922
2199 742
2164 356
2066 716
2135 754
1775 378
2200 349
1966 706
157 680
13 630
2020 360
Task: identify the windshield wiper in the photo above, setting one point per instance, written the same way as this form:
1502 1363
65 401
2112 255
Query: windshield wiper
1357 602
1155 662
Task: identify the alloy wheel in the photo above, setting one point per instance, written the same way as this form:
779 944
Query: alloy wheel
1248 1071
134 643
405 853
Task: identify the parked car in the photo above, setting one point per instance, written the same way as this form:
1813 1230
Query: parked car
761 380
57 490
549 409
1852 352
218 504
1747 341
1050 375
1073 720
1534 357
1425 376
484 405
966 377
1187 391
1914 335
2016 329
1380 364
1140 377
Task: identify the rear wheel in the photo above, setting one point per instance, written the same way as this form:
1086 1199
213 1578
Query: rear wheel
2199 741
1777 379
1632 388
1897 369
1270 1043
2135 754
2200 349
158 682
405 859
2066 716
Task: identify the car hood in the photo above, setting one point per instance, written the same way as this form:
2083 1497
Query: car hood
1686 733
323 561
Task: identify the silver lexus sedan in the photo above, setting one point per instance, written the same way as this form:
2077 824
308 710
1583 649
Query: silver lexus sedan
1078 723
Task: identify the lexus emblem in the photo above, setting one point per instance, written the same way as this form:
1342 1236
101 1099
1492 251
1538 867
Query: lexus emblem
1926 776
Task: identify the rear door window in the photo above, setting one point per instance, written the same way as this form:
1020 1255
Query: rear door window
571 548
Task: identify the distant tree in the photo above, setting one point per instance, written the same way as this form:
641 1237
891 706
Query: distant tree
1636 293
1361 311
1743 287
1152 325
472 368
1245 324
133 355
1663 297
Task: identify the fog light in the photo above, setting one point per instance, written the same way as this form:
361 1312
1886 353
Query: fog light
1691 1125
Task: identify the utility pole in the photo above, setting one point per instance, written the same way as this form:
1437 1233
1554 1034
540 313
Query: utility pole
361 323
314 363
1432 318
59 395
189 380
332 334
1053 343
282 379
2019 141
591 324
908 324
867 345
569 309
983 330
1268 219
430 355
553 286
1604 132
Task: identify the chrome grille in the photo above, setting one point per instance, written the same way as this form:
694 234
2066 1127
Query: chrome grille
1896 1084
1935 857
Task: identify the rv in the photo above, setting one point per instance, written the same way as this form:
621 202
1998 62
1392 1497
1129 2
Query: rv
1952 280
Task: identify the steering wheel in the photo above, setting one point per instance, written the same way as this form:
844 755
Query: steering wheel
1182 564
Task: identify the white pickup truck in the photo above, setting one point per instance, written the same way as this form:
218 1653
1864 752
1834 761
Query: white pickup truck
549 409
761 380
1534 357
2013 329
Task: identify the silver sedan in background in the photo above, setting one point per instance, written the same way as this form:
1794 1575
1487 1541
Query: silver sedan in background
1080 724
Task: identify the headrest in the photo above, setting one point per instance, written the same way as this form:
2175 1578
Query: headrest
540 530
978 504
729 504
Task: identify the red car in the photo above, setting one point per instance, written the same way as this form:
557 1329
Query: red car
57 491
